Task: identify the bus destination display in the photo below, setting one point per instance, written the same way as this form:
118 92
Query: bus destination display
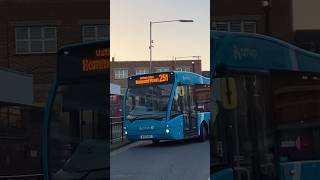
161 78
84 62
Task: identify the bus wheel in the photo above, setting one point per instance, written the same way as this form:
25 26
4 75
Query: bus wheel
155 141
203 132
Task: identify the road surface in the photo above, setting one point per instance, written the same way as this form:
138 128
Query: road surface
169 160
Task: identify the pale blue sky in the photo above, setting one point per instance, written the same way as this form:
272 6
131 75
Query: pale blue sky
129 29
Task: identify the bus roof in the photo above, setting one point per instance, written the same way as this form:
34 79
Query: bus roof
75 45
184 77
254 51
190 78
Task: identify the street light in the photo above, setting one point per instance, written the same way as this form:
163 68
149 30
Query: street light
157 22
192 66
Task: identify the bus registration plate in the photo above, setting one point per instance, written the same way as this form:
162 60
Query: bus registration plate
146 136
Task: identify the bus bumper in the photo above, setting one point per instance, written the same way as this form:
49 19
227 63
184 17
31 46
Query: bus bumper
159 134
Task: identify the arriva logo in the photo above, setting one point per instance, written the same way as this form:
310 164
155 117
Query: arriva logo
240 52
146 128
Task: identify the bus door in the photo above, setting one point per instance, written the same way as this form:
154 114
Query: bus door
78 143
297 101
188 108
242 140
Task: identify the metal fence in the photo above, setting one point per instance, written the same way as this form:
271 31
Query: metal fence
116 131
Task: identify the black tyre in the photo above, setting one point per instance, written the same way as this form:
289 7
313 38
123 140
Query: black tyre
155 141
203 132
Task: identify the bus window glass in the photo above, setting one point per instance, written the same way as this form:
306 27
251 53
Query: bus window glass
297 98
243 136
78 130
202 94
147 101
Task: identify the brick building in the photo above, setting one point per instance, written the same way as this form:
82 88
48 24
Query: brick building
293 21
306 25
271 17
31 32
121 70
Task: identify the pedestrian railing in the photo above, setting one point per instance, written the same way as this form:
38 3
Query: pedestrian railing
116 130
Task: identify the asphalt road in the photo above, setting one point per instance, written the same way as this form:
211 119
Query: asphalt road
170 160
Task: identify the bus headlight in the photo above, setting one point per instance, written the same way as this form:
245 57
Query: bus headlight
167 131
125 132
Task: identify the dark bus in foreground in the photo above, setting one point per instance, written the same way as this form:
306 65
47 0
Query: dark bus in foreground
76 127
266 109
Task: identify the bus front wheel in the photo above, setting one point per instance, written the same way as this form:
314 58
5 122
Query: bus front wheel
155 141
203 132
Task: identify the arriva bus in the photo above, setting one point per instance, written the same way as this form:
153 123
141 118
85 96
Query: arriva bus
76 126
266 109
167 106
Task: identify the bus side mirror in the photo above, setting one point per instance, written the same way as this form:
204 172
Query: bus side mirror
228 92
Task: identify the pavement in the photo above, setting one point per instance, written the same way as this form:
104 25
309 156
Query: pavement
169 160
116 145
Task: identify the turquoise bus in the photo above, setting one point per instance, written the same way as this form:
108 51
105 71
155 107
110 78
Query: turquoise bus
76 125
265 105
167 106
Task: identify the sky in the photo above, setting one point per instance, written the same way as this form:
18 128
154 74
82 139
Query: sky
129 29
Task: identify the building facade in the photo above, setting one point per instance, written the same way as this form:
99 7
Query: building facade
32 31
306 25
273 18
121 70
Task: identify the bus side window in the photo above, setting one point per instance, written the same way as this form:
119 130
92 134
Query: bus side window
201 95
176 108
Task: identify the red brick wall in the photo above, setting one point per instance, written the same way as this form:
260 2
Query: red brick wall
65 14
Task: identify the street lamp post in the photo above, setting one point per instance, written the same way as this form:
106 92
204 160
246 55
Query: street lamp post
192 66
266 7
151 41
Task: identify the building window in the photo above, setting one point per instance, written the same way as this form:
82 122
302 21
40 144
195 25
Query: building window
249 26
184 68
142 71
236 26
162 69
10 120
120 73
36 39
123 90
222 26
95 32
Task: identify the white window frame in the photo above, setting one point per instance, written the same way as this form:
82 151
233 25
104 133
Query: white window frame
184 68
223 23
242 23
249 22
42 39
140 71
96 38
162 69
121 75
